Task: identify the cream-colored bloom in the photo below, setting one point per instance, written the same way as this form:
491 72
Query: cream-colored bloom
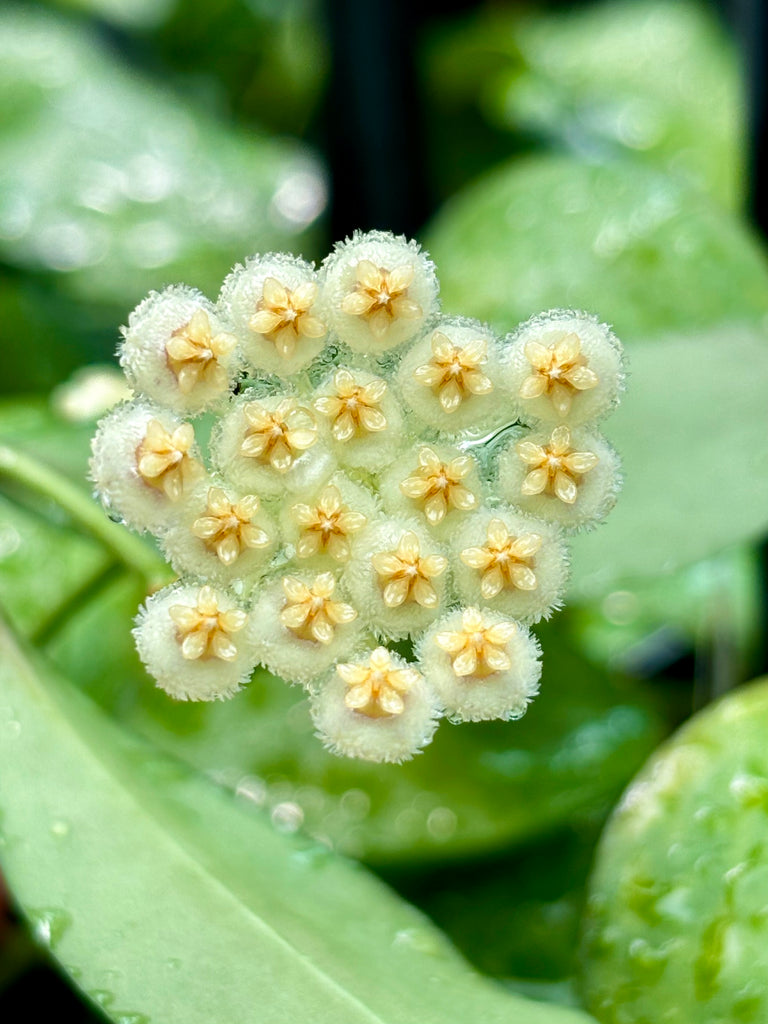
326 526
227 527
355 408
377 688
437 485
404 575
559 371
555 468
504 561
309 610
278 438
196 355
163 459
454 372
284 316
381 296
479 648
203 631
483 665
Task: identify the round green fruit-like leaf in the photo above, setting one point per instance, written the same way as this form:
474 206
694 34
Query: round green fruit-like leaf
644 252
677 921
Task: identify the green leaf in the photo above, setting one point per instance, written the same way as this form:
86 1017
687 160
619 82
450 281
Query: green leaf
477 787
692 431
677 927
642 251
154 191
167 901
658 80
516 916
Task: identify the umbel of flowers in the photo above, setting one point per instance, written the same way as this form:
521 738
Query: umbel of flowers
380 510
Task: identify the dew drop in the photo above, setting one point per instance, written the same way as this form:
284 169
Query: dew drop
173 963
287 817
60 829
10 729
441 823
49 925
102 997
420 940
251 787
356 804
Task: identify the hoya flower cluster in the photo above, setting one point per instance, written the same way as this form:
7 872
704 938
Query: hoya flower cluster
366 496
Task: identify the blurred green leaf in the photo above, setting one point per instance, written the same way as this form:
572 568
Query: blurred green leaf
167 901
692 431
153 190
643 251
515 917
677 927
720 596
655 79
131 14
43 561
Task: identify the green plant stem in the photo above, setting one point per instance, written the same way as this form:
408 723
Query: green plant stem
76 601
85 514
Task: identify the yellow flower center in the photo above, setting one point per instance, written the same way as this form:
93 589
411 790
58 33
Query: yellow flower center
453 371
203 631
404 575
555 468
194 354
477 649
163 460
310 612
504 560
227 527
381 296
278 438
283 316
376 688
355 408
437 486
559 371
326 526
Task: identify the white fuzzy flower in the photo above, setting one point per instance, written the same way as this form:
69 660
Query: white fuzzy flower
377 708
568 477
363 416
397 578
328 524
564 367
221 535
178 351
144 464
452 379
302 624
481 664
271 445
272 303
514 564
436 483
378 291
193 641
